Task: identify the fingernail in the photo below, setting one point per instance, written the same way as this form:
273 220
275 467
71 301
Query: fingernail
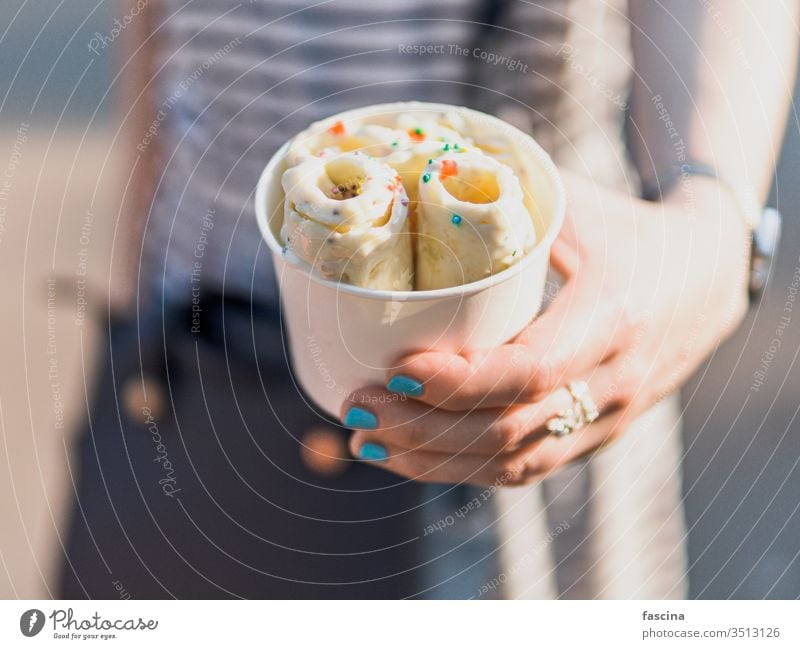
372 452
360 418
404 385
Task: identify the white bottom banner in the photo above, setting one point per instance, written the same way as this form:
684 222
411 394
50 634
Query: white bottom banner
372 624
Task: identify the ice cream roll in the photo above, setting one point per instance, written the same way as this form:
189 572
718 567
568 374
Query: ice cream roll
431 127
409 162
471 220
347 217
329 139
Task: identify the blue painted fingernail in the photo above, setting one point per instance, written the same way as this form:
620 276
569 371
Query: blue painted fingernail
360 418
404 385
372 452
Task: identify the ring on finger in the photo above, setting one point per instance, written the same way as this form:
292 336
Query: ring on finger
583 411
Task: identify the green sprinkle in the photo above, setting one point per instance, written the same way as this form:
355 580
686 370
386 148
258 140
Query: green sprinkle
430 160
394 143
426 178
456 147
514 254
446 147
456 219
418 131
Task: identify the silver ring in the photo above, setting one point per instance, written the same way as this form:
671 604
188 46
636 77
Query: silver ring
582 412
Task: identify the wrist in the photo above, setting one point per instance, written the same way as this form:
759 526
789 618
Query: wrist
681 178
712 197
712 215
707 198
694 188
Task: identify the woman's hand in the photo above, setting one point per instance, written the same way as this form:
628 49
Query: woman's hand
650 291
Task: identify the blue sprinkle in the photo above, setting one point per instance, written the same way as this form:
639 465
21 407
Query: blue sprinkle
456 219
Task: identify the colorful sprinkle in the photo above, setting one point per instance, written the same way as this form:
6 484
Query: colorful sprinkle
337 128
446 147
417 134
449 168
426 178
456 219
394 143
456 147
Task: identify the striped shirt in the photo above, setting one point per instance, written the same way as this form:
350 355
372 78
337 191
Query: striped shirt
237 79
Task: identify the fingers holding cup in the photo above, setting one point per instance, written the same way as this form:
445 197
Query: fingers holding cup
577 333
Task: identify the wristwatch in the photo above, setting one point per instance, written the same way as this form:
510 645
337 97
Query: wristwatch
764 222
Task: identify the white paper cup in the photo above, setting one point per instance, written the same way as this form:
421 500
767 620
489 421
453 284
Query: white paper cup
344 337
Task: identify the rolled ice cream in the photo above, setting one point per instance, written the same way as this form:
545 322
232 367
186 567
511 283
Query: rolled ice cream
404 200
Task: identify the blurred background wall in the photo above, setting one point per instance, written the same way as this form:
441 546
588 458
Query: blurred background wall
57 217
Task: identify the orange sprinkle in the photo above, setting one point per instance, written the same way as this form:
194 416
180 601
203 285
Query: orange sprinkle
449 168
337 129
416 134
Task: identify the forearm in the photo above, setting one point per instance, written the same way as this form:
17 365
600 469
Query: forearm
713 83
